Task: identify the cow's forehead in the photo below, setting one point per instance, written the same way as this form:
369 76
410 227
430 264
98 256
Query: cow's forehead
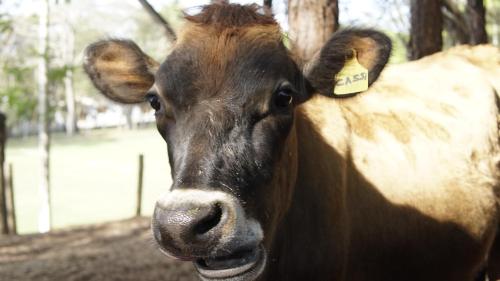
210 61
210 47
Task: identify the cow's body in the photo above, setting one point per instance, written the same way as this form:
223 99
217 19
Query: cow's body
409 166
274 179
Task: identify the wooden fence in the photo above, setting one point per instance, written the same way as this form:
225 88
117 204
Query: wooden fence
8 224
8 220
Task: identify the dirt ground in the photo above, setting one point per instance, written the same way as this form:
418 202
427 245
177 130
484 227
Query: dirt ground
121 250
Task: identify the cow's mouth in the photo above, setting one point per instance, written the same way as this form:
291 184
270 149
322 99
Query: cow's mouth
245 263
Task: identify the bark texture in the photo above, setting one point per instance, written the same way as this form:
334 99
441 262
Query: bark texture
426 28
4 224
311 22
476 20
44 219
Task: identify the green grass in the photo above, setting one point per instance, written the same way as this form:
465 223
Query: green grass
94 176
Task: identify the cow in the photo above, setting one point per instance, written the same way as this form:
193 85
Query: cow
277 177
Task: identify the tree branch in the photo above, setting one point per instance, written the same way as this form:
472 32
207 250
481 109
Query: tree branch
455 21
169 32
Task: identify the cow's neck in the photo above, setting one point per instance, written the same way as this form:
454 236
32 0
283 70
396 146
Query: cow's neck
311 241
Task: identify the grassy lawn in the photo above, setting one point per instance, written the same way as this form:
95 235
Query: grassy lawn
94 176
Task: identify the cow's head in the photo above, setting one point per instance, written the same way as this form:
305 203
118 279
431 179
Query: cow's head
225 99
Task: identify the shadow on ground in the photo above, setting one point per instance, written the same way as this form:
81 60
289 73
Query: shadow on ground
121 250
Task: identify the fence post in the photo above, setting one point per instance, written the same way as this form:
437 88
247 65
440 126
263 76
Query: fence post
12 205
4 224
139 186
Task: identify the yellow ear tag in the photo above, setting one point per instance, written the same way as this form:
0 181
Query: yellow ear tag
353 78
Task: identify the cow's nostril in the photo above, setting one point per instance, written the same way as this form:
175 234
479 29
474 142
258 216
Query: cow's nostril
210 221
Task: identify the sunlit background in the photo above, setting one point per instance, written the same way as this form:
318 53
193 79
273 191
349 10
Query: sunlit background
94 171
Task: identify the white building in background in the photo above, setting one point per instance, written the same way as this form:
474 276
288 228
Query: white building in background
95 115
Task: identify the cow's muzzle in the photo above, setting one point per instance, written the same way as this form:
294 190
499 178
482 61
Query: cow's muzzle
211 229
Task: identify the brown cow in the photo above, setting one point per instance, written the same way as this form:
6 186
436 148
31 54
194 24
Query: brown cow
275 179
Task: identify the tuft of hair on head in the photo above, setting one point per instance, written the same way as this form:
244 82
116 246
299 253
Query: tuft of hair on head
231 15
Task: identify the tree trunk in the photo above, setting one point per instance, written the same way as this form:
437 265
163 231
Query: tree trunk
11 199
268 6
71 126
129 122
476 20
454 23
44 219
4 224
169 32
311 22
426 28
69 42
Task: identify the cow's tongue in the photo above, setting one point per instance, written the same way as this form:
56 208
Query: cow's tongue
237 259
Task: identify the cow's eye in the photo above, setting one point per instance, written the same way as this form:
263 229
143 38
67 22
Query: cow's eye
154 101
283 98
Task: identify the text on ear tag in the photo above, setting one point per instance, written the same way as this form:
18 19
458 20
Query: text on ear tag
352 78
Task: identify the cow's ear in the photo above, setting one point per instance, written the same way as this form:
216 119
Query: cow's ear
120 70
347 58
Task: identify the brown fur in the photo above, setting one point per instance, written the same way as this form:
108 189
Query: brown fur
402 125
368 51
120 70
394 184
449 240
237 16
220 49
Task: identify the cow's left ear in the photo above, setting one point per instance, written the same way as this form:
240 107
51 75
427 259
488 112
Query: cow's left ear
120 70
348 63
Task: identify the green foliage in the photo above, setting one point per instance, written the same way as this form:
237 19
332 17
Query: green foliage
21 104
17 94
399 51
493 21
5 23
57 74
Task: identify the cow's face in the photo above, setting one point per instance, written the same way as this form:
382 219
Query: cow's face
224 101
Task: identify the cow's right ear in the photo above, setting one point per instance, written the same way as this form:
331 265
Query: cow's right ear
349 62
120 70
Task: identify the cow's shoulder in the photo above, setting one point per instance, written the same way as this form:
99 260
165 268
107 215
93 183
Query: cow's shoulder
424 135
435 101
